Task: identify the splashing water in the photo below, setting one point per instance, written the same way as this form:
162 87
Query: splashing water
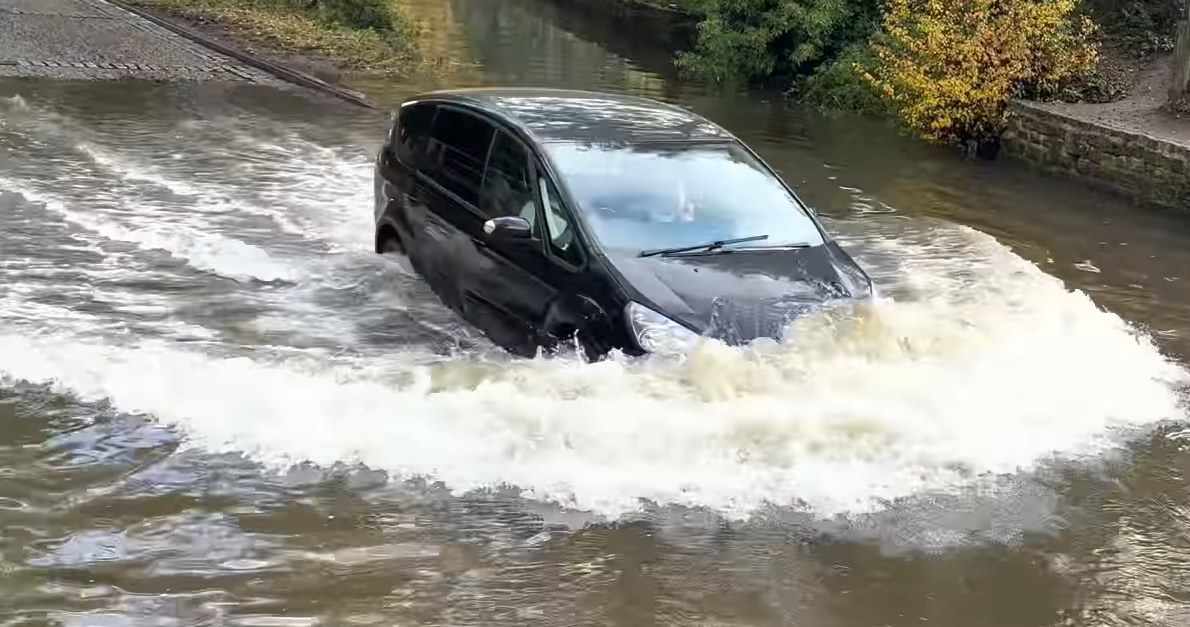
978 363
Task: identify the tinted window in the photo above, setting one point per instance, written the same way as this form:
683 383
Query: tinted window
660 196
458 149
506 184
559 228
413 129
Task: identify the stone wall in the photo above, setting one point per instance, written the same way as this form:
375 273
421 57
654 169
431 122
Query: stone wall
1145 169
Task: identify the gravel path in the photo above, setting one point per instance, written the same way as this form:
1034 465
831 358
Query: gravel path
93 39
1140 112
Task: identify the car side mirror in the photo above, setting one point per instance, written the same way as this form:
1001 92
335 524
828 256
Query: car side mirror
508 228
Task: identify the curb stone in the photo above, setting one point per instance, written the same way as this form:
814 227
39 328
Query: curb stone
284 73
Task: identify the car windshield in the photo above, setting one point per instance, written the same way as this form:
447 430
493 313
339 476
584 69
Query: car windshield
680 194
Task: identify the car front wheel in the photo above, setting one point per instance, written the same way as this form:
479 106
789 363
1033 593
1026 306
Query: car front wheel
592 349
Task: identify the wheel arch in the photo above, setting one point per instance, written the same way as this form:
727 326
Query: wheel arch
387 231
581 317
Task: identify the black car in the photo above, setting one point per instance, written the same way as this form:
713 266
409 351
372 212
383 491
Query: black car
542 215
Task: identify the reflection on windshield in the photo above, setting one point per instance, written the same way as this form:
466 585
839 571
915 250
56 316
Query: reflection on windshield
680 194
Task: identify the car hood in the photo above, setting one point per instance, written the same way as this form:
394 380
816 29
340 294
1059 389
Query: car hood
744 294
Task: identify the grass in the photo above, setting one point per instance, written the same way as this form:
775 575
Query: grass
380 39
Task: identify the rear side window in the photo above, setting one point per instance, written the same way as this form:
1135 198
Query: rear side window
459 145
413 130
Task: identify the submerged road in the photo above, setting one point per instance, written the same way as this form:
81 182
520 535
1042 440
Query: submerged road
219 407
94 39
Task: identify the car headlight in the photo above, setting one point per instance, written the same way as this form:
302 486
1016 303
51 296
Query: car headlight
656 333
858 285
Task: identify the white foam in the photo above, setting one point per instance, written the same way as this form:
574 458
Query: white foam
330 194
304 188
209 251
290 181
14 103
857 409
985 365
212 198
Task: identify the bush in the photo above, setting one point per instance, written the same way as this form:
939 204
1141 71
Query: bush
1144 27
758 40
950 67
373 36
840 85
374 14
378 15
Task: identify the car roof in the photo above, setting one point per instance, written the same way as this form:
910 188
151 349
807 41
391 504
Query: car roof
589 117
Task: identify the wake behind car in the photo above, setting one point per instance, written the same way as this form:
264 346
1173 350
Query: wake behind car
540 215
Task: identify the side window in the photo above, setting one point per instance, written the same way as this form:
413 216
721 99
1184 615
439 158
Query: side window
413 130
458 149
507 187
563 242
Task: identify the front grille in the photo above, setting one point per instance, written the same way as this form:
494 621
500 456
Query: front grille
737 322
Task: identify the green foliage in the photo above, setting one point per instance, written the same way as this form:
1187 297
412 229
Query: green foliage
378 15
1143 27
839 84
946 68
1095 87
375 36
952 66
758 40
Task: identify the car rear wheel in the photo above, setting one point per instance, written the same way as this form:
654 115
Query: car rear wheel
388 243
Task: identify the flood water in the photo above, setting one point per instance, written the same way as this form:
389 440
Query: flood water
218 407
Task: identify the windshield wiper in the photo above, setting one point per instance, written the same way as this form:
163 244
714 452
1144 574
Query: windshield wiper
709 246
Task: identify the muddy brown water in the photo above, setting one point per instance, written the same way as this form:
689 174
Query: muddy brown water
219 408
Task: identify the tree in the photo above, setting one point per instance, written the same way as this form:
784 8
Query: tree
951 67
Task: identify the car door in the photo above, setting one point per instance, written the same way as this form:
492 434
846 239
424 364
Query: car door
514 281
581 292
483 280
451 173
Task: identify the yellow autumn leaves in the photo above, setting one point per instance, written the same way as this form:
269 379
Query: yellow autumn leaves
946 68
950 67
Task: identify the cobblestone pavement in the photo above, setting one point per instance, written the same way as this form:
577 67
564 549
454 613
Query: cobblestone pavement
92 39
